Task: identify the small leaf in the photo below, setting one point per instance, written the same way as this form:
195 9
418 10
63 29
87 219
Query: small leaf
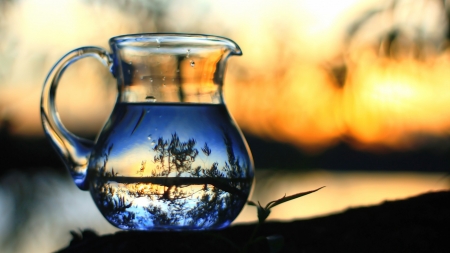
262 214
274 203
139 121
251 203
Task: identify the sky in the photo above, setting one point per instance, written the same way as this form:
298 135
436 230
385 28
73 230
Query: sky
303 79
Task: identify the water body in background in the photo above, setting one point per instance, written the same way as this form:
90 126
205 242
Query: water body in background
55 206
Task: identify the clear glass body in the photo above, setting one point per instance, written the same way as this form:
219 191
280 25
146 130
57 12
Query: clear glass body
170 166
170 156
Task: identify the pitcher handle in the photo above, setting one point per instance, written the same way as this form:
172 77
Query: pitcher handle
73 150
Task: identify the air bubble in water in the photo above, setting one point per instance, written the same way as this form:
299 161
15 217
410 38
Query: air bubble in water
150 99
164 78
149 137
192 64
159 43
188 52
151 80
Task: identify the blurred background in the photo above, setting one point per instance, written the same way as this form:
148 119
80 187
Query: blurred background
351 94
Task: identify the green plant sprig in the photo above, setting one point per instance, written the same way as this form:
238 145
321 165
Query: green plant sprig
264 212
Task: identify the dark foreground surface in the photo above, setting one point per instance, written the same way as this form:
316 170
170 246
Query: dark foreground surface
418 224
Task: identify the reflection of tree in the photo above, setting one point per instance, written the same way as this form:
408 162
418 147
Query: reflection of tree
178 193
233 166
219 193
216 205
112 201
174 156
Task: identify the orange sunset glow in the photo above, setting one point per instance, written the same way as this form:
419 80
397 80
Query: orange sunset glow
284 87
353 95
399 104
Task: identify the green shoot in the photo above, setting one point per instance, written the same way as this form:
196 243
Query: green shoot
264 212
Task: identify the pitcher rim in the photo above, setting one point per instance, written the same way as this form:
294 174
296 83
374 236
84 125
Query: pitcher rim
117 39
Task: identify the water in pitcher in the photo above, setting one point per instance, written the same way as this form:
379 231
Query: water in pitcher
169 166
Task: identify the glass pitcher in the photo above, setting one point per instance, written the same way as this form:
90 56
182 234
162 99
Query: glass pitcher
170 157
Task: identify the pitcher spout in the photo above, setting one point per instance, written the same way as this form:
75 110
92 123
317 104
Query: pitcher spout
233 47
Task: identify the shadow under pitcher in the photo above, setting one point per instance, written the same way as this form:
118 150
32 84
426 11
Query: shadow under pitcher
170 157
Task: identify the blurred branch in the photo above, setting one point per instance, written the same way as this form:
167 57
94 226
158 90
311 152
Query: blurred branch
151 12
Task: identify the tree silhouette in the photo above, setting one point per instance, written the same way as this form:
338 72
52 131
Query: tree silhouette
174 156
176 193
215 199
216 205
113 202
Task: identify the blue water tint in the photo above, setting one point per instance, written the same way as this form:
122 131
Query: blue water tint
163 166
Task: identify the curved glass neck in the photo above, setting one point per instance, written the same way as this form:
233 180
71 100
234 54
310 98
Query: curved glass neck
171 67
